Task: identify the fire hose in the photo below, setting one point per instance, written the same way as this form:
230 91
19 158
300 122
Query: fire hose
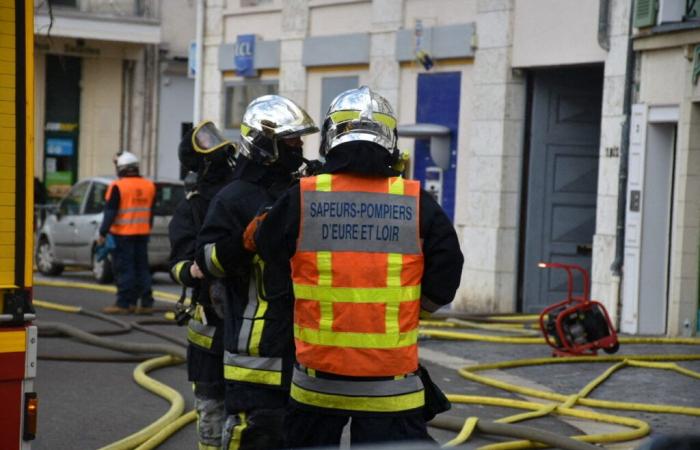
520 332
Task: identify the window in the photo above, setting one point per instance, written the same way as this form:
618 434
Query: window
245 3
96 200
167 198
332 86
71 204
68 3
239 95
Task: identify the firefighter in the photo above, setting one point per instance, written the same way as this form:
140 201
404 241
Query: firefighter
210 159
367 251
258 345
128 216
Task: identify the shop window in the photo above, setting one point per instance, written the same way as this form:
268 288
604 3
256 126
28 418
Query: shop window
332 86
239 95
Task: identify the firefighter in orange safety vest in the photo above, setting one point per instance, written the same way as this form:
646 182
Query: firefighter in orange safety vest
366 250
128 217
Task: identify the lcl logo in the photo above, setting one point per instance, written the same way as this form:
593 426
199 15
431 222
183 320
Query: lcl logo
244 49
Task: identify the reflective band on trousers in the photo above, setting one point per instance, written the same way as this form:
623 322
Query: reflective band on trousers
212 262
200 334
376 396
252 369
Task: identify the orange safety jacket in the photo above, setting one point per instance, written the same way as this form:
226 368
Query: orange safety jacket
357 276
136 196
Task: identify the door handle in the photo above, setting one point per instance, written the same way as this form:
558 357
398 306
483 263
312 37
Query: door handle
71 224
93 222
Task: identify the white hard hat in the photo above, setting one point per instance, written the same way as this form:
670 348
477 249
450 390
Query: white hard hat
127 159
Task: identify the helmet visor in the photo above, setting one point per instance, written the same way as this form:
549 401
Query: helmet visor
207 138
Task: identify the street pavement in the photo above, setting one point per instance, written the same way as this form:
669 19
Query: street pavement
86 405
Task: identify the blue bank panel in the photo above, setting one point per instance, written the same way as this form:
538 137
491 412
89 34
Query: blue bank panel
438 103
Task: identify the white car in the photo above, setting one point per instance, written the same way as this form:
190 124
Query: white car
69 233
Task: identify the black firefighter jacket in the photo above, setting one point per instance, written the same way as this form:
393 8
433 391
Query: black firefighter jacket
258 323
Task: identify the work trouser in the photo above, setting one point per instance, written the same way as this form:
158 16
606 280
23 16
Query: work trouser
322 428
205 369
256 429
209 404
132 271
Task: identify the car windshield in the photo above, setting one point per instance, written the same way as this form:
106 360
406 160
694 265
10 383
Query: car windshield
167 198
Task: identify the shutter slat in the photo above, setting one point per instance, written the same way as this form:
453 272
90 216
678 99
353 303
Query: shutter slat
645 13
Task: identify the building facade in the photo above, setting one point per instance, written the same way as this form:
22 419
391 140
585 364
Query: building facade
530 100
109 76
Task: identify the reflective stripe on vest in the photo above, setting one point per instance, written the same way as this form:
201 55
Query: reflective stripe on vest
376 396
136 196
200 334
356 275
252 369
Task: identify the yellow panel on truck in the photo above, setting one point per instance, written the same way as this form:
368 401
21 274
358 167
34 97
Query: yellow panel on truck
18 337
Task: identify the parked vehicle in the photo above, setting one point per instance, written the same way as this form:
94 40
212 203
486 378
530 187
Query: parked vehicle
69 233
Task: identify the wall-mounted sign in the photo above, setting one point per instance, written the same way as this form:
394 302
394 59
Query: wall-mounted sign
244 55
59 147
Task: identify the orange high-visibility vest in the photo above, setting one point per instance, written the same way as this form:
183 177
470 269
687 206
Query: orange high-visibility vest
136 196
356 273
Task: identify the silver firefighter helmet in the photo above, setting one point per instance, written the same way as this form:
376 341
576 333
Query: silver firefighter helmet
359 115
269 119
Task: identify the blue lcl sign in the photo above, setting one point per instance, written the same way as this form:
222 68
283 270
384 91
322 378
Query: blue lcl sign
244 55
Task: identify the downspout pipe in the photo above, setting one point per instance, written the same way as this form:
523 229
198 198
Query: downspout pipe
604 24
197 113
617 265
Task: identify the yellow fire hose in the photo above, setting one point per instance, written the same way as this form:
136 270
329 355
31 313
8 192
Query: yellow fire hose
560 404
158 295
564 404
177 402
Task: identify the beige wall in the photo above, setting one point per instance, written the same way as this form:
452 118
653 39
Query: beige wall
662 76
439 12
556 32
100 108
340 19
266 25
177 26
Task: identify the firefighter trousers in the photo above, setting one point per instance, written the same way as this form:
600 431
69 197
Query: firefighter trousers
319 428
256 429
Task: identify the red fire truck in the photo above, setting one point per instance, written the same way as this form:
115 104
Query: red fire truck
18 337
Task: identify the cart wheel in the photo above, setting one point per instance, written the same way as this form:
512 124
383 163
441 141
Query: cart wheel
613 349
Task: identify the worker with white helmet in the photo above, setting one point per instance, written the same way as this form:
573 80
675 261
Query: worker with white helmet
128 218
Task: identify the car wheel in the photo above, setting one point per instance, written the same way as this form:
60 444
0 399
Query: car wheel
102 270
45 261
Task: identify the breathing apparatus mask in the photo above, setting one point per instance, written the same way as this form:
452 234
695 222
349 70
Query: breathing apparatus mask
204 150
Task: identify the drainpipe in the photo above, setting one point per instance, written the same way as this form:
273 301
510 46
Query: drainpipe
198 56
604 24
617 265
